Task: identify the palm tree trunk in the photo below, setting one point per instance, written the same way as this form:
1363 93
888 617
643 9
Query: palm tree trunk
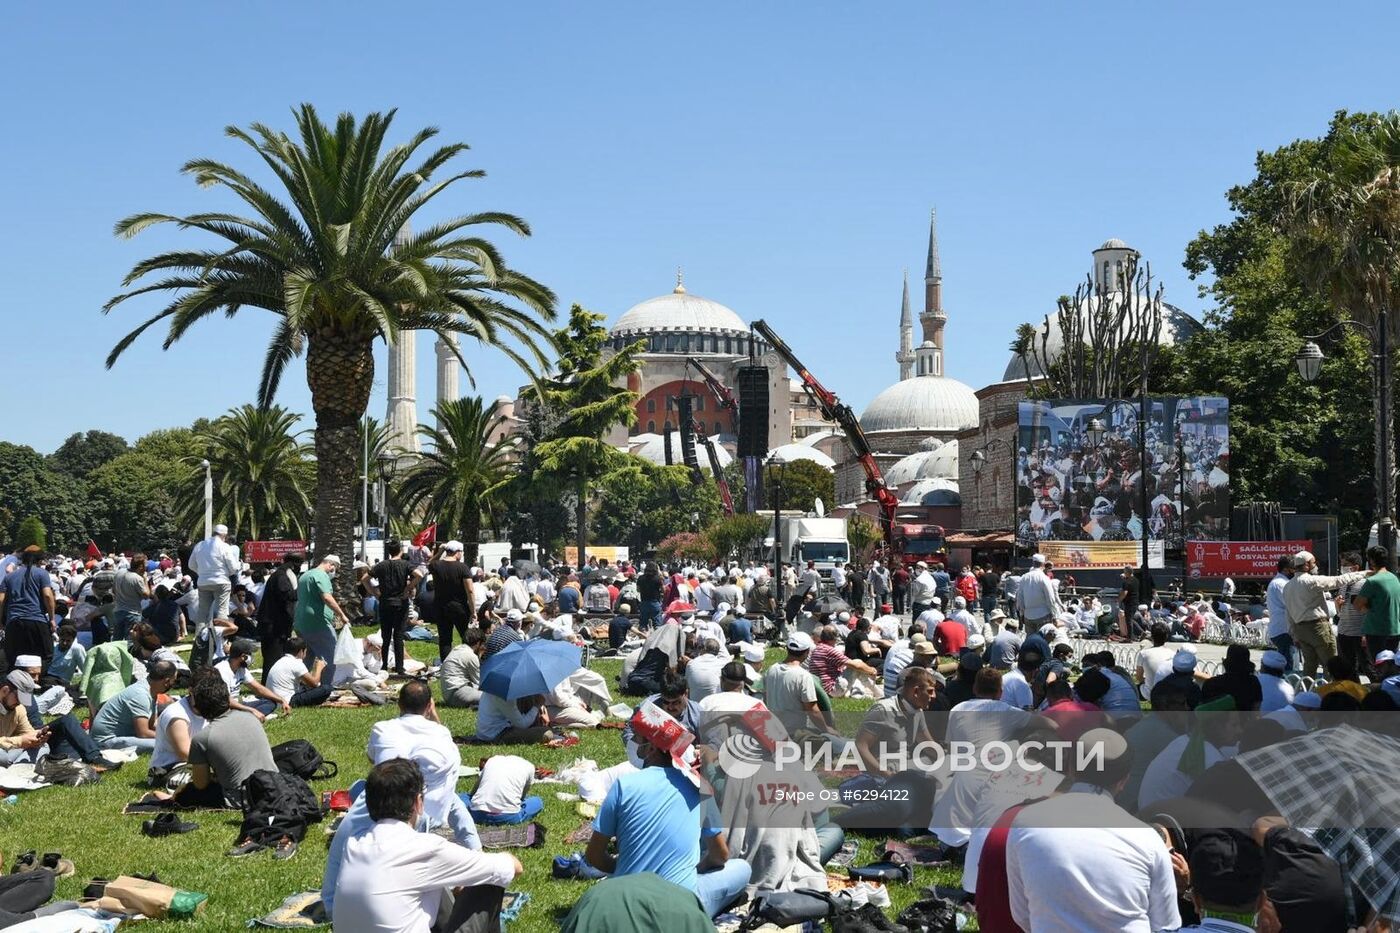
340 373
471 535
581 518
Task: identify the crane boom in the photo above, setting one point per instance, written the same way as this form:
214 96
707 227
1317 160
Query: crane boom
836 410
723 397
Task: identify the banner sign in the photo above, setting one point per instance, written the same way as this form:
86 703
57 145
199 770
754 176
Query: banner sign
1244 559
606 552
270 552
1102 555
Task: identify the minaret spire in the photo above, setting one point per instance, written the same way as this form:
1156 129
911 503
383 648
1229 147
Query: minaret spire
933 272
933 317
905 356
402 413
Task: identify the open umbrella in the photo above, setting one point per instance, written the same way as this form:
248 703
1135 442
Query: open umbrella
524 567
526 668
830 603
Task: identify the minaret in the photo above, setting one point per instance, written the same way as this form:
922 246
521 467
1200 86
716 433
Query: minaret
402 414
905 356
933 317
447 372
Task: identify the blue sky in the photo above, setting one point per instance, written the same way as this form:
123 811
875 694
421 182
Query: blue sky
786 154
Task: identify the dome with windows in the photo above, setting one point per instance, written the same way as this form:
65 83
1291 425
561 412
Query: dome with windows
683 323
923 403
940 461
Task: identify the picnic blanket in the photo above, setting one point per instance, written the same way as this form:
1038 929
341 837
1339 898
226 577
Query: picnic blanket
580 835
302 911
520 836
1338 786
20 777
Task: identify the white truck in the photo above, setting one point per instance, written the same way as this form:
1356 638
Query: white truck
821 540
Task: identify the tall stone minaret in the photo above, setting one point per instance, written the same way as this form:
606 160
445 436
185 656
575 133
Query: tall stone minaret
447 372
905 356
933 317
402 414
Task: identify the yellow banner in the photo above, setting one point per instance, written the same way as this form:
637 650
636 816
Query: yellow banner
1101 555
612 554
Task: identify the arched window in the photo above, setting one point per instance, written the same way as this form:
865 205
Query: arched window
699 403
651 406
651 427
1107 282
717 428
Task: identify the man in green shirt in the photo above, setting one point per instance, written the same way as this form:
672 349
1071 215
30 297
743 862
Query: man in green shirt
318 614
1380 600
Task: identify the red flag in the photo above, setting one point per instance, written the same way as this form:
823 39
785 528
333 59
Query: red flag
93 550
426 536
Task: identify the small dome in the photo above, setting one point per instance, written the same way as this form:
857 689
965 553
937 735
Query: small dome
678 311
932 492
815 438
906 469
923 403
1113 243
787 453
653 448
1177 325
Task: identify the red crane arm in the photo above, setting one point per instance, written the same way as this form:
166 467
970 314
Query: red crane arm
836 410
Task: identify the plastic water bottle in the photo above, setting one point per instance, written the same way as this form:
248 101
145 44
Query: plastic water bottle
10 801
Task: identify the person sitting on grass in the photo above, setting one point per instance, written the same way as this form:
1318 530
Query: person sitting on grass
460 674
659 819
68 658
224 754
176 724
674 698
290 682
517 722
418 735
235 673
108 669
128 720
394 878
63 735
500 795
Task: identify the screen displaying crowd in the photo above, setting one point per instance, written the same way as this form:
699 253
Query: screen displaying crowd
1071 486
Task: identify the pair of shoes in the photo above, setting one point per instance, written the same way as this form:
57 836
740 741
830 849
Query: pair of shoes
368 696
286 848
167 824
866 918
50 861
246 847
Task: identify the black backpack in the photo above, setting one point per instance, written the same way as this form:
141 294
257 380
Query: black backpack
277 805
299 757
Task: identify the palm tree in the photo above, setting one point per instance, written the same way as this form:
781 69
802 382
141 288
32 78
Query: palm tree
263 474
330 263
459 481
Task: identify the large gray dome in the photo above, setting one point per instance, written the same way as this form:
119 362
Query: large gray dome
678 311
922 403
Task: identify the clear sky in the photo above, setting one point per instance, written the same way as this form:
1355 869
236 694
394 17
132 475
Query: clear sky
786 154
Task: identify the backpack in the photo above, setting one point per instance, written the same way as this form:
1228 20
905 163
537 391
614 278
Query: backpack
299 757
788 908
277 805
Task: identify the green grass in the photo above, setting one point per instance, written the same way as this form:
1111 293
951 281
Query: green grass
86 825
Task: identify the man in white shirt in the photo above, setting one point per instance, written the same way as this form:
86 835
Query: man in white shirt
217 563
176 725
1037 597
1277 632
522 721
292 681
1078 862
974 625
810 581
704 592
501 792
1309 616
702 674
1156 662
888 625
922 588
234 670
392 878
460 674
930 617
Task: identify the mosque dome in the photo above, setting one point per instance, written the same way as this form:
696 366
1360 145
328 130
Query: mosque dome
938 462
922 403
652 447
680 311
787 453
932 492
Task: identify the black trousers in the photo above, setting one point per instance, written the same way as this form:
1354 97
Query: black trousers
476 910
393 619
451 616
274 646
28 636
21 894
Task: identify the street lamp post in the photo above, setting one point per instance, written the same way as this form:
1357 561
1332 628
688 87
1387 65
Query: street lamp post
208 499
386 471
364 501
776 469
1309 361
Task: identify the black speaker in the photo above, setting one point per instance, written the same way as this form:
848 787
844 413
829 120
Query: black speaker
684 414
667 438
753 411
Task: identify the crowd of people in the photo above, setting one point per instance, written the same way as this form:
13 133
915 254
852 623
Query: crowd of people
1158 820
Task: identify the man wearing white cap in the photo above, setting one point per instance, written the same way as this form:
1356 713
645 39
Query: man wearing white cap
217 563
504 633
1277 692
1309 622
921 590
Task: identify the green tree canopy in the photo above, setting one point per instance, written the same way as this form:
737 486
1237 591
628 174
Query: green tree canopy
803 482
28 486
31 531
639 503
84 452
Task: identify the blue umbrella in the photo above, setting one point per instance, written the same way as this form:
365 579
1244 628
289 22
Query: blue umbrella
525 668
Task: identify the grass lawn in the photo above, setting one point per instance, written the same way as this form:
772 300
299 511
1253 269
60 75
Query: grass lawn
86 825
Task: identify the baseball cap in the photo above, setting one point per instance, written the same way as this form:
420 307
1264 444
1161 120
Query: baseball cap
798 642
453 546
1385 656
24 686
1184 661
970 661
737 672
514 615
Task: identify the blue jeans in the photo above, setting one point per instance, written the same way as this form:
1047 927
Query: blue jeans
321 643
650 612
122 621
717 889
1284 644
529 809
145 746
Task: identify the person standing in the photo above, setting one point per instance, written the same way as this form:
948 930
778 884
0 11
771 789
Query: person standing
899 588
1305 598
1037 598
277 609
452 595
318 615
129 592
1380 600
27 606
922 590
389 583
649 588
217 564
990 586
1129 593
1351 617
1277 632
878 581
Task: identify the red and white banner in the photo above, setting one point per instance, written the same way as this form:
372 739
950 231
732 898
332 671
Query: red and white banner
1243 559
270 552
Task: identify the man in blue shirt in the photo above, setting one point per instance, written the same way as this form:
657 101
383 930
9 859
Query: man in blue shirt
658 817
27 606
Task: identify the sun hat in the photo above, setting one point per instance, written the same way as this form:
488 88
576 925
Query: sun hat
925 648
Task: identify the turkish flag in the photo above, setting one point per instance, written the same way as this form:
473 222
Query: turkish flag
426 536
93 550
